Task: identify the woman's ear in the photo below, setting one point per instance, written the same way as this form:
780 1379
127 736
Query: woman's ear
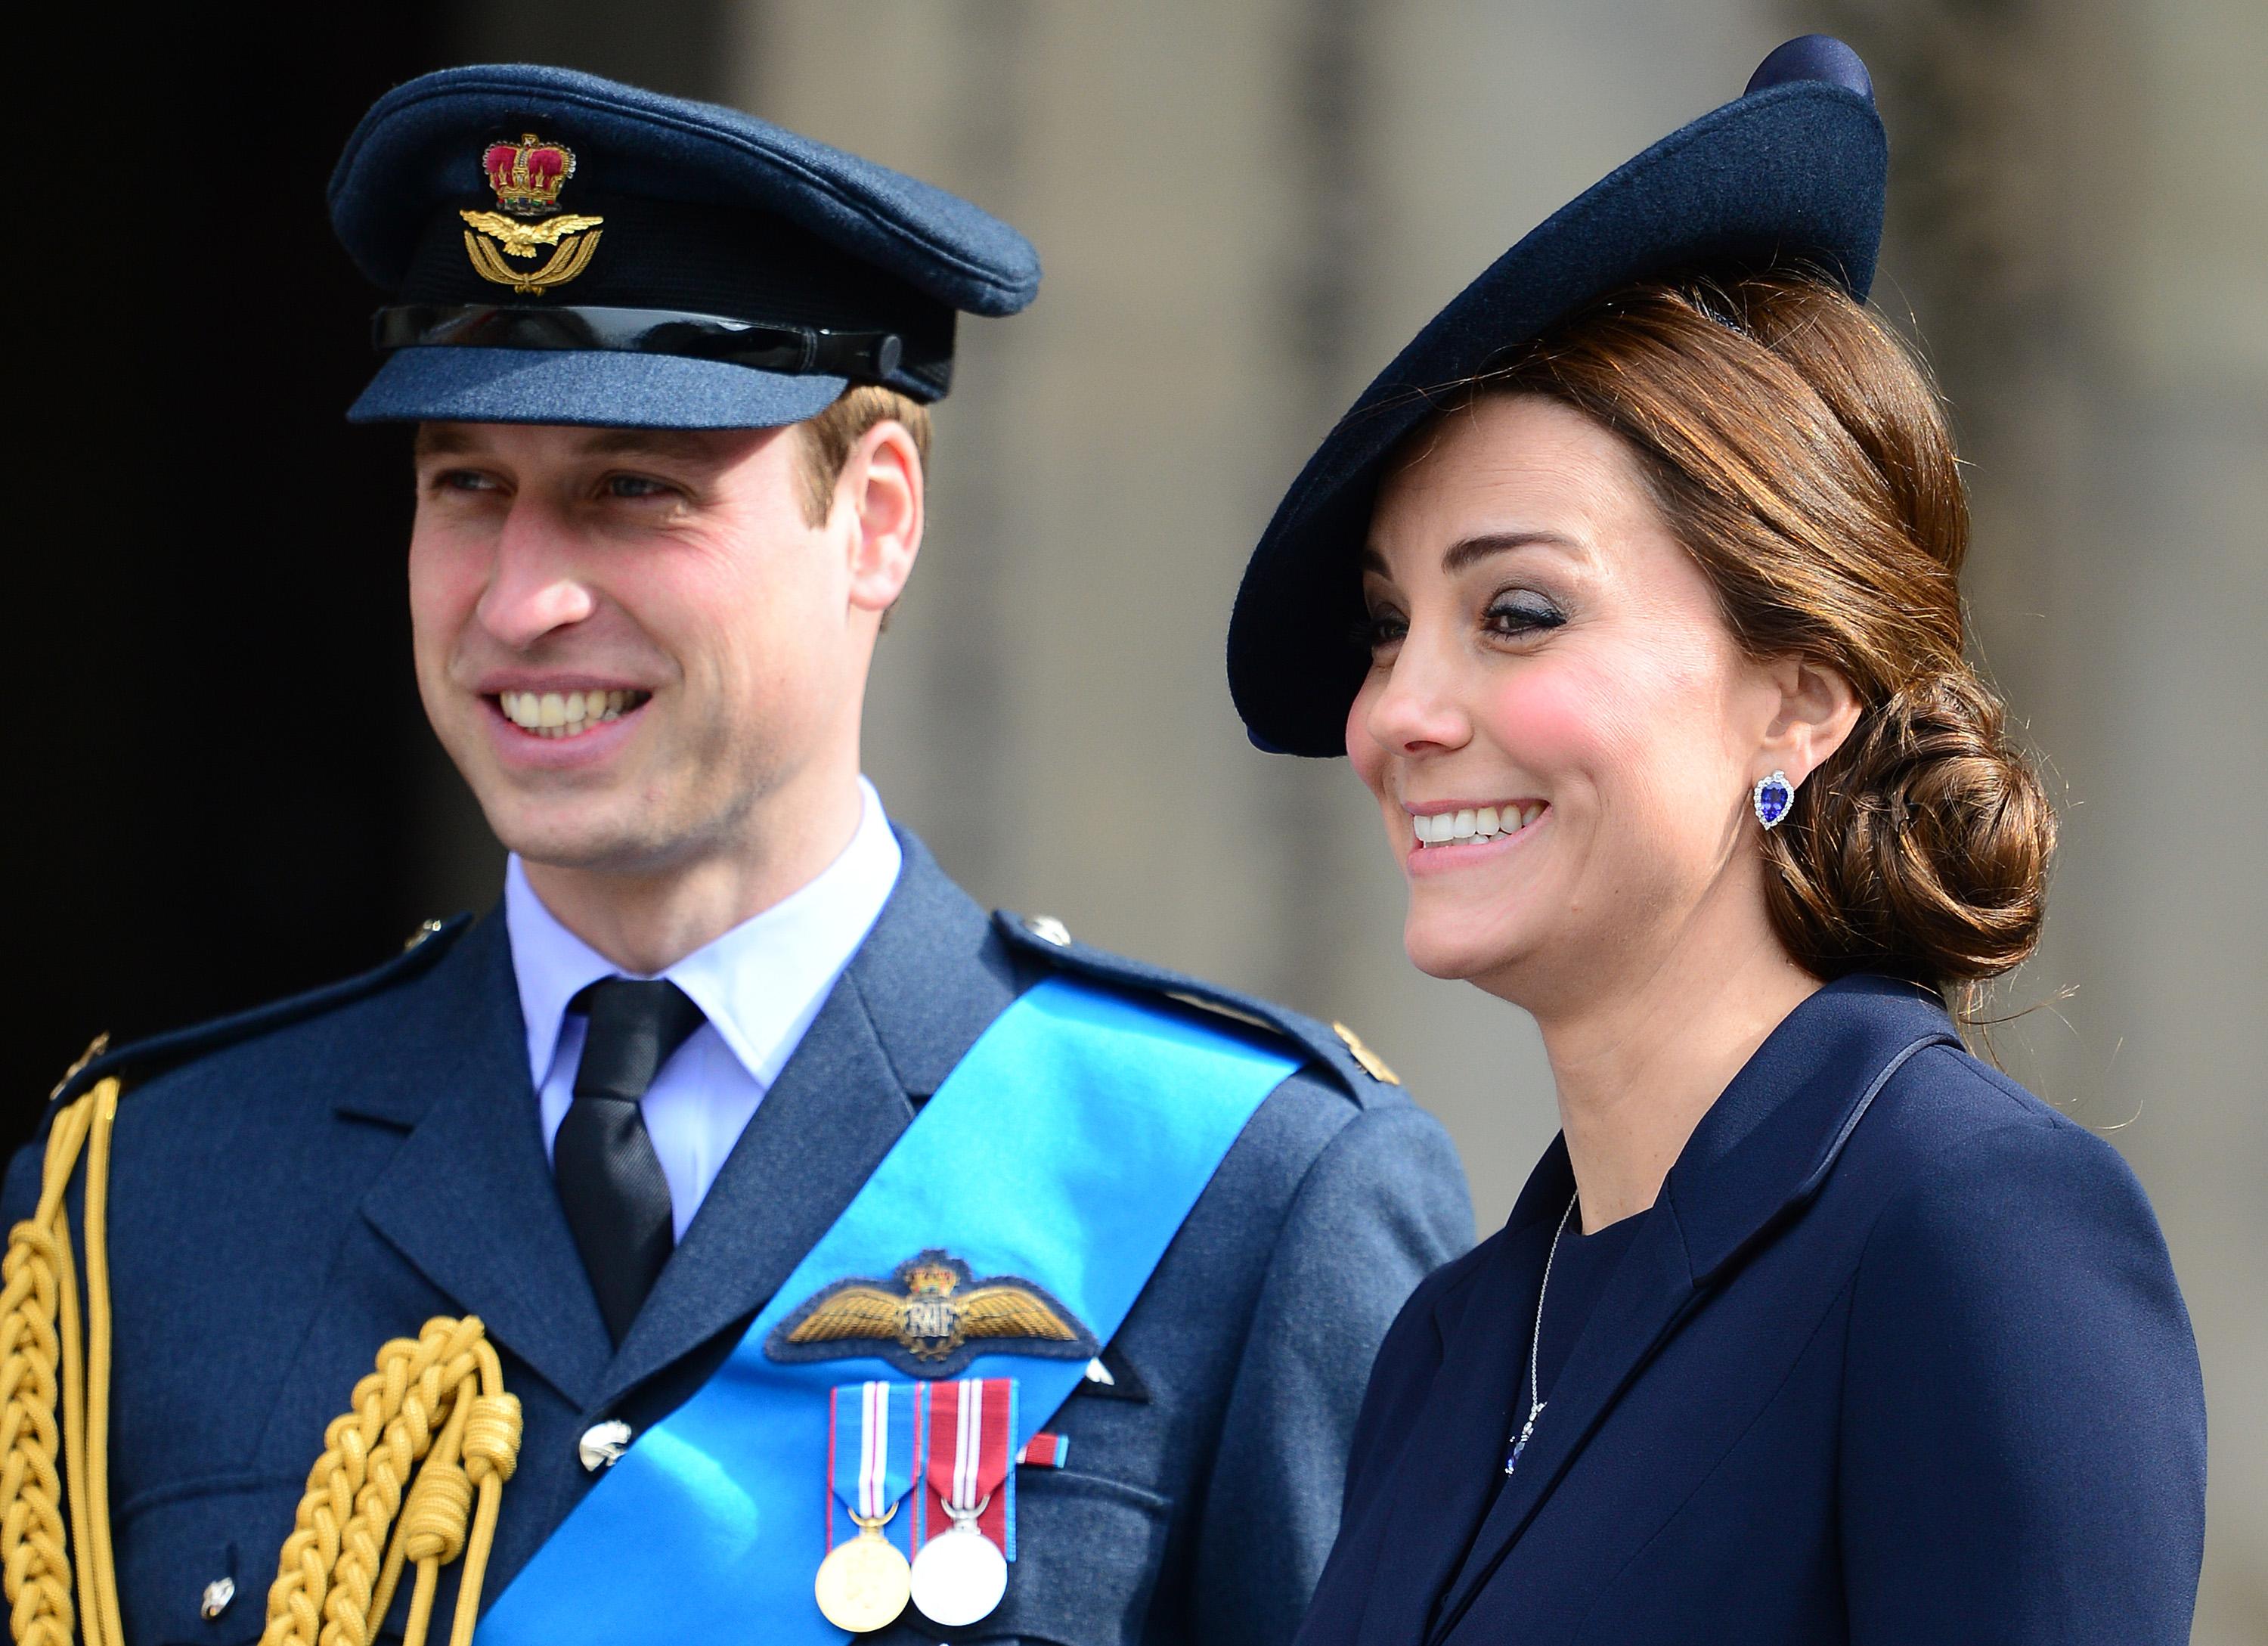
880 489
1817 710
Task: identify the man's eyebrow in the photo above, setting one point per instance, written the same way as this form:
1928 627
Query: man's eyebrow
1466 551
686 444
441 439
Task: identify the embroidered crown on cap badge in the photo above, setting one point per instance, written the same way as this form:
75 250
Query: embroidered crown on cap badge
527 176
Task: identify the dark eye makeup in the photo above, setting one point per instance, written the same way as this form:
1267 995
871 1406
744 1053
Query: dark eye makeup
1512 614
1516 612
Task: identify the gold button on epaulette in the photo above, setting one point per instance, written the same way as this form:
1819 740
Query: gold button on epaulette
1372 1065
425 929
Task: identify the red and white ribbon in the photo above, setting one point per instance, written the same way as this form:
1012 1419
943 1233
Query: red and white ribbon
970 1428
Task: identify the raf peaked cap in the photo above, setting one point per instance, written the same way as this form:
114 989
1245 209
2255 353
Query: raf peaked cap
1790 175
561 248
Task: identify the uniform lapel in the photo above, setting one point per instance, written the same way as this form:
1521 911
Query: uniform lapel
925 984
468 1198
1757 1159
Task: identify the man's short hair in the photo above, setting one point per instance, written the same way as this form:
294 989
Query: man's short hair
828 437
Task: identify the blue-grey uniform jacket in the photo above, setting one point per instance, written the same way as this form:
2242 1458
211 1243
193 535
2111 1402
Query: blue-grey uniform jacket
1896 1359
293 1187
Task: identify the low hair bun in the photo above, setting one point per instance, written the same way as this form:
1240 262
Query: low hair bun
1922 846
1798 450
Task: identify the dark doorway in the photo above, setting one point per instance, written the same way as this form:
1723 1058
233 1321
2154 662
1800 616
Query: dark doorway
227 758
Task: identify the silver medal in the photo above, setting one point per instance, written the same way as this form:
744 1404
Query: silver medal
959 1575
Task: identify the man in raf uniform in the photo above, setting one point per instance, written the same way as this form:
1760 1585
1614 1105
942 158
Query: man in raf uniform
736 1234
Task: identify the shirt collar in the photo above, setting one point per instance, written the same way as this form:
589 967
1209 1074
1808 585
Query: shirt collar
759 984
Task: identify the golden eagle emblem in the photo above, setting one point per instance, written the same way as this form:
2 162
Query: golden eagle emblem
520 240
527 176
930 1319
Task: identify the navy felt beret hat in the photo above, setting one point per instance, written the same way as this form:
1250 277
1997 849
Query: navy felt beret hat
1791 174
561 249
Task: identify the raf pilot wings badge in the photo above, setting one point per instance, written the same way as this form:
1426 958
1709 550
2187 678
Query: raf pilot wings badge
930 1319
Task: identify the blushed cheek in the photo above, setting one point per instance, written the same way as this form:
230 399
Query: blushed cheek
1547 721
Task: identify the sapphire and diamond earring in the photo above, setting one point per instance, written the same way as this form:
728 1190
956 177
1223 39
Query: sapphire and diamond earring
1772 797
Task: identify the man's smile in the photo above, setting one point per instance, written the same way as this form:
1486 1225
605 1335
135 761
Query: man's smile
567 713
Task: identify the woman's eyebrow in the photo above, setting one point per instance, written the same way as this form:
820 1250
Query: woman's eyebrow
1466 551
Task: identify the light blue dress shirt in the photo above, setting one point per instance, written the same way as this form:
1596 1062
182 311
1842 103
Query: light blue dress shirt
759 986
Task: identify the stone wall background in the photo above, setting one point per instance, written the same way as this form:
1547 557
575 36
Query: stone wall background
1245 208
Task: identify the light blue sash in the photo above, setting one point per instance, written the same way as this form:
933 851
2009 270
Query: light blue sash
1065 1148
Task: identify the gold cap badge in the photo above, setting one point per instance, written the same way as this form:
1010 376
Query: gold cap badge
527 176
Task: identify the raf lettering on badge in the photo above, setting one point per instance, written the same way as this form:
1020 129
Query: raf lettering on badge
930 1319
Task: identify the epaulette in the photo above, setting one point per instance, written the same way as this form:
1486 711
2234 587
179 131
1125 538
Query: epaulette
1336 1047
142 1058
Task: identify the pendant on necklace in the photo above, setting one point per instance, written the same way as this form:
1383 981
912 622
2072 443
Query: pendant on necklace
1520 1441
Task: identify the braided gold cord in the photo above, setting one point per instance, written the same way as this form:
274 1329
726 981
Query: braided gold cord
40 1369
436 1400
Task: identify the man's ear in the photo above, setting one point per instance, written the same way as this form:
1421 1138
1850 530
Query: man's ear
880 494
1817 710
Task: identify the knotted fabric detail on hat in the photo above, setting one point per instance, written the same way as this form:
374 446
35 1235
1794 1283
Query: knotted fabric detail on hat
610 1179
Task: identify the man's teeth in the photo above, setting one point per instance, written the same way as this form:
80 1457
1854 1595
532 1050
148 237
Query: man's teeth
1481 823
565 713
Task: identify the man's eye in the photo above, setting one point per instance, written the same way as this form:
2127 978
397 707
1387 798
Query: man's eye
635 486
463 480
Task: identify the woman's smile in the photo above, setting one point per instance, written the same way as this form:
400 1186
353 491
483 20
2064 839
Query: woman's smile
1449 835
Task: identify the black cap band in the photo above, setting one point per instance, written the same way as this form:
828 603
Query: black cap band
864 357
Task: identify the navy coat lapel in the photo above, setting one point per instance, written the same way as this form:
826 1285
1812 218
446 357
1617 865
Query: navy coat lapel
1757 1158
1440 1486
468 1199
926 982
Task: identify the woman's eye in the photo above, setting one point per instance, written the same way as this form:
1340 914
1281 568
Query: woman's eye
1382 628
1521 615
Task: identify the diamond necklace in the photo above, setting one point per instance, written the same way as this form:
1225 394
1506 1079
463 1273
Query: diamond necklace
1535 1341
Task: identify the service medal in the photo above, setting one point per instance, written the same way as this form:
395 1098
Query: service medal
863 1586
960 1575
873 1460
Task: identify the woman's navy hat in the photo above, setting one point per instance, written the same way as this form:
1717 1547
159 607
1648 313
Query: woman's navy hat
1790 175
561 249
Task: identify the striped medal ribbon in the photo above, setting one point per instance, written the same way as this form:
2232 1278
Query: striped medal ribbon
874 1443
960 1574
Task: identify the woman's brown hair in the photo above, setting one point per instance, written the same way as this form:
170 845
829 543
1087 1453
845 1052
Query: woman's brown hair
1801 453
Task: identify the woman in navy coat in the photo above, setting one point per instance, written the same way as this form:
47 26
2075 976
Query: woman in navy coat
1811 1326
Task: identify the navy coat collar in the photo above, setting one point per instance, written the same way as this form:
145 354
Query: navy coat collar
470 1198
1757 1159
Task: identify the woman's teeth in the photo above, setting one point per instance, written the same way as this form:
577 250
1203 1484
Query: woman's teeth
566 713
1481 823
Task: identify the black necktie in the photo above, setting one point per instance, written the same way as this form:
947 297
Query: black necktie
609 1177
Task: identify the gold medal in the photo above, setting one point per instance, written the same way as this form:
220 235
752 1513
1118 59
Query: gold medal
865 1583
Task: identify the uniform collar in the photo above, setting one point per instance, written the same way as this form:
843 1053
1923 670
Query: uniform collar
760 983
